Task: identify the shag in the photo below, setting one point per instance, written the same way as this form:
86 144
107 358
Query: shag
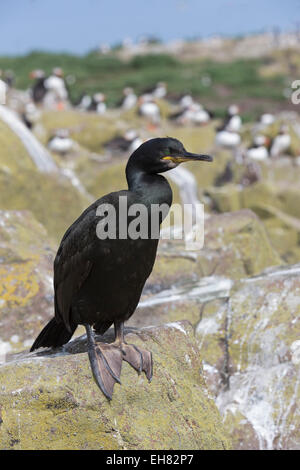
98 282
128 142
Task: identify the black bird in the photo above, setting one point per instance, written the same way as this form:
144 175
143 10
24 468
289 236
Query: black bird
226 176
38 90
98 282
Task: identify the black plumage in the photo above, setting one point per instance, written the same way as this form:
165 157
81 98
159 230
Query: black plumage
98 283
39 90
118 144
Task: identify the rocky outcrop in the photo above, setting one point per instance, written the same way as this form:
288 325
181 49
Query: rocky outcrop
242 349
251 348
248 334
25 187
275 200
236 245
26 288
254 385
50 401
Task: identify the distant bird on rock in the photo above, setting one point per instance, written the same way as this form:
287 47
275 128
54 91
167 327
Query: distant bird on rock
149 109
38 89
259 149
159 91
83 102
227 139
61 142
98 104
30 115
57 95
227 135
281 142
129 99
128 142
232 121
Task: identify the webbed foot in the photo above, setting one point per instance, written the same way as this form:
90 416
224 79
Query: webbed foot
140 359
106 363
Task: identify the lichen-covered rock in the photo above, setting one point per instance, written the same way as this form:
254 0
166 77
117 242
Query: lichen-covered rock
26 290
226 198
250 345
90 130
171 270
13 155
50 196
274 200
50 401
53 200
185 301
236 245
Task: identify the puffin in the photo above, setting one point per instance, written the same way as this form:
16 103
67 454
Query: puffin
3 90
30 115
227 139
259 149
159 91
129 99
191 113
281 142
266 119
227 135
149 109
9 78
60 142
98 103
83 102
232 121
101 265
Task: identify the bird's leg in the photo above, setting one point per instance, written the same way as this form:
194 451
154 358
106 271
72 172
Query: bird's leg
106 363
140 359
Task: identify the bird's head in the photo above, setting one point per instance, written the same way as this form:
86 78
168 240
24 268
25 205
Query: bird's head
162 154
38 73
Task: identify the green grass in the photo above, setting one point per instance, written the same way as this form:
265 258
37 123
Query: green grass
95 72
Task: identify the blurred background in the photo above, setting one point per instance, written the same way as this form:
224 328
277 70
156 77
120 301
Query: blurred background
83 84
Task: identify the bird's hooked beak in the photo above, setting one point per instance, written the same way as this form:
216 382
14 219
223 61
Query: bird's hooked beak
188 157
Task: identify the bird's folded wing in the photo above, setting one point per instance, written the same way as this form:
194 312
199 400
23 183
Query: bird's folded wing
73 263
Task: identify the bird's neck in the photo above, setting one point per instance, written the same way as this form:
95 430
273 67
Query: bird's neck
152 188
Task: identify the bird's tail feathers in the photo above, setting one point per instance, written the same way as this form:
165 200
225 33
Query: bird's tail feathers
53 335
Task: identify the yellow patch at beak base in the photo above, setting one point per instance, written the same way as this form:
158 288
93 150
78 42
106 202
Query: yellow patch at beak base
175 159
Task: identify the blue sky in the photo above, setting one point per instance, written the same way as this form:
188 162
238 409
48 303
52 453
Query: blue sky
80 25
